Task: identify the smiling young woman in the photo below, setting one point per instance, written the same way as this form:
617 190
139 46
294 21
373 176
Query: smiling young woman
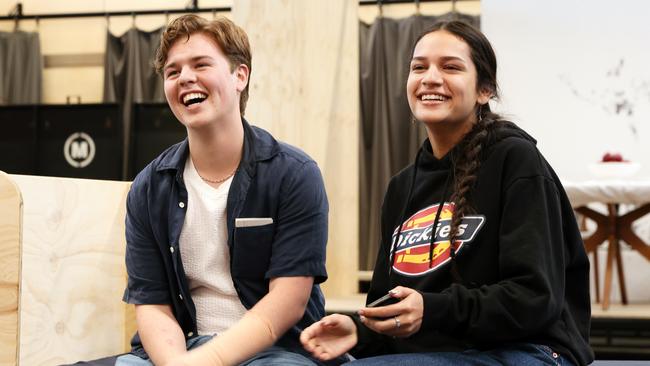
479 241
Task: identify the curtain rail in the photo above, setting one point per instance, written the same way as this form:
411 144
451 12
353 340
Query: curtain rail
390 2
113 13
17 14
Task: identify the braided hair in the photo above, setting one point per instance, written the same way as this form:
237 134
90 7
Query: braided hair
466 167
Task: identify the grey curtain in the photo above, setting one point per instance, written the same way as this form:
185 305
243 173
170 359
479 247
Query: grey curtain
129 75
21 68
389 141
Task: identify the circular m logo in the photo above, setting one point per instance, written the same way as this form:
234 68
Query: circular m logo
79 150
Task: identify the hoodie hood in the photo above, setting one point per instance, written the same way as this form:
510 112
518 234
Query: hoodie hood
501 130
506 129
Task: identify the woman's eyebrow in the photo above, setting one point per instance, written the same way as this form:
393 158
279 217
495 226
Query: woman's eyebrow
443 58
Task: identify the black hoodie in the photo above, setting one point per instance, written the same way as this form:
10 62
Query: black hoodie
524 274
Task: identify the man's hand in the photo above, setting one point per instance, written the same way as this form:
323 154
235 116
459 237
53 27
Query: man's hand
402 319
330 337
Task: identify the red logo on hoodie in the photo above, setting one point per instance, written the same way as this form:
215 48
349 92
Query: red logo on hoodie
413 256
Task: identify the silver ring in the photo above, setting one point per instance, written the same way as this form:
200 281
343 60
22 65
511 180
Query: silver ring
397 322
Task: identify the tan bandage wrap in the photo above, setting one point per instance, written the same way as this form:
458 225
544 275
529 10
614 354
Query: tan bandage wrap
251 335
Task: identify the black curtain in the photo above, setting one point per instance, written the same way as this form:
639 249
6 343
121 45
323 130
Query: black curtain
21 68
389 141
129 75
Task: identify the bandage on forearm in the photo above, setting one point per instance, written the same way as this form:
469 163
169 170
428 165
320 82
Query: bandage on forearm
251 335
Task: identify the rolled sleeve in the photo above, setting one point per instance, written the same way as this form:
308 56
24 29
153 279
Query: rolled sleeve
301 234
147 280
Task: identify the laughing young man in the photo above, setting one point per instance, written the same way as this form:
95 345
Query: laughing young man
226 231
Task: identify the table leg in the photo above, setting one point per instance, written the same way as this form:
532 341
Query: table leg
626 233
611 255
596 272
621 276
594 240
613 228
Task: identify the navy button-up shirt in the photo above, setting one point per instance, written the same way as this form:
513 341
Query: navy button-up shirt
274 180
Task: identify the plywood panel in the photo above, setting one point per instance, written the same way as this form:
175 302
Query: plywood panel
73 269
10 210
304 89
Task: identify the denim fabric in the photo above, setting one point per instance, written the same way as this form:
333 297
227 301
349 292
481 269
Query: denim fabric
276 356
133 360
523 354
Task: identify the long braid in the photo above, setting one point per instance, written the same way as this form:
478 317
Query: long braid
465 175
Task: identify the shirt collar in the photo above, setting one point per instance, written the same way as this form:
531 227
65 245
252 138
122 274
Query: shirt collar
259 145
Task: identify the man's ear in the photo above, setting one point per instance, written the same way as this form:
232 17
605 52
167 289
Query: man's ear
241 74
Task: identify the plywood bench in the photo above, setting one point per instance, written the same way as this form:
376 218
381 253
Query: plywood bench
62 270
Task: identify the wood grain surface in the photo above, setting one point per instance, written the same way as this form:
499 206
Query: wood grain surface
10 215
73 272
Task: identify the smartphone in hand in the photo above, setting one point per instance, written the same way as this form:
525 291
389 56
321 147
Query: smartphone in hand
384 300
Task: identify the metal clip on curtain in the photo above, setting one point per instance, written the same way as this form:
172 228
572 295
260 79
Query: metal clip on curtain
17 13
417 7
380 3
68 99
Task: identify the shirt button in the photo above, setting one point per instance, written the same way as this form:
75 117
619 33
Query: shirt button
189 334
180 296
181 204
171 249
555 355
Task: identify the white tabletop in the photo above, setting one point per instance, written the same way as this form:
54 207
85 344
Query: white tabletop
608 191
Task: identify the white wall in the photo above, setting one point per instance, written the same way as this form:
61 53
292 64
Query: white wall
565 66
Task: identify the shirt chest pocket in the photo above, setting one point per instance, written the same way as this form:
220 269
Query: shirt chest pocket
252 251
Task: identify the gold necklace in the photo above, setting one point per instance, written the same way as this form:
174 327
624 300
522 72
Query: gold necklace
217 180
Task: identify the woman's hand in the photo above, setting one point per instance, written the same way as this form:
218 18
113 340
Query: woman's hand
330 337
402 319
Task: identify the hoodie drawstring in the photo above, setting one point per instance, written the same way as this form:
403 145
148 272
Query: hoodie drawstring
405 208
434 226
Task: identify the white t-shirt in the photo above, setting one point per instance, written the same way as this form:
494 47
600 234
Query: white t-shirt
205 255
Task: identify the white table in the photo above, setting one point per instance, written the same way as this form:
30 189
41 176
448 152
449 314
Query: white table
612 227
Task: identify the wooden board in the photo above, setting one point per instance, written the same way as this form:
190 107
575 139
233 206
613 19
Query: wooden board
10 214
304 89
620 311
73 272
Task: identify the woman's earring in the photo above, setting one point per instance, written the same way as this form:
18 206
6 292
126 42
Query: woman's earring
413 120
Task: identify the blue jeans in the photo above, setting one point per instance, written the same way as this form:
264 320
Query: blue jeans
273 356
276 356
523 354
133 360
